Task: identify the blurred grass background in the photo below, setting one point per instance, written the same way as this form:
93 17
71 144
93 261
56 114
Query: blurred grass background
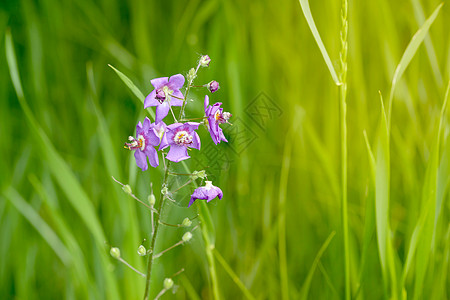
60 210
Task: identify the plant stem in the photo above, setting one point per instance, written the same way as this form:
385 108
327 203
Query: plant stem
155 233
343 130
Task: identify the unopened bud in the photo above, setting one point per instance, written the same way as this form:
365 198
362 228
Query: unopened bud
213 86
168 283
186 223
151 199
186 237
164 190
115 252
191 75
198 174
141 250
205 60
127 189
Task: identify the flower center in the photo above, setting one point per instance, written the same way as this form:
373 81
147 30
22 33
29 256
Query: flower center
208 185
182 138
135 144
222 117
163 94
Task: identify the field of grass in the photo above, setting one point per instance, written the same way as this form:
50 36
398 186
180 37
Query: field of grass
335 177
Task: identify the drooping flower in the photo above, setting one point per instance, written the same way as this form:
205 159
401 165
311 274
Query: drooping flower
213 86
215 116
207 192
180 137
163 96
143 145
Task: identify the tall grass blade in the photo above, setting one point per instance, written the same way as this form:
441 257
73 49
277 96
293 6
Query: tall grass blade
233 275
133 88
409 53
61 171
41 226
312 26
305 289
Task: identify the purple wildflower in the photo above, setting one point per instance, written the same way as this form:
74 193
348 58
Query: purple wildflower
207 192
143 144
215 116
180 136
161 96
213 86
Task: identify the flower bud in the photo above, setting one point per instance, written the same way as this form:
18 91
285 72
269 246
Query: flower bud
213 86
191 75
168 283
141 250
115 252
151 199
127 189
186 237
186 223
198 174
205 60
164 190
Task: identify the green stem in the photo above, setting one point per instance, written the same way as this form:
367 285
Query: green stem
155 233
343 130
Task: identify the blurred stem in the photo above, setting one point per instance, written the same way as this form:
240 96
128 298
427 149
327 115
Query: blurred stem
343 129
209 247
155 233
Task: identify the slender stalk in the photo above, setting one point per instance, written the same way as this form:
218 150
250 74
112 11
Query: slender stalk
155 233
343 130
188 87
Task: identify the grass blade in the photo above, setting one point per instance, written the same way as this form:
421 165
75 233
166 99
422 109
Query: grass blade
312 26
41 226
61 171
233 275
409 53
134 89
307 284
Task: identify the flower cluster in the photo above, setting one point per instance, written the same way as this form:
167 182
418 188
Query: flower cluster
180 136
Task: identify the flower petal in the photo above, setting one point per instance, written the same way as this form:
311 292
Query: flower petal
152 156
176 82
141 159
174 101
146 124
196 141
150 100
206 103
177 153
161 111
159 82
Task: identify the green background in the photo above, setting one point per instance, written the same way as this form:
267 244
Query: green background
60 210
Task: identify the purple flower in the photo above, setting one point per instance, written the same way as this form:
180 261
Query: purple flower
161 96
143 144
213 86
215 116
207 192
180 136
